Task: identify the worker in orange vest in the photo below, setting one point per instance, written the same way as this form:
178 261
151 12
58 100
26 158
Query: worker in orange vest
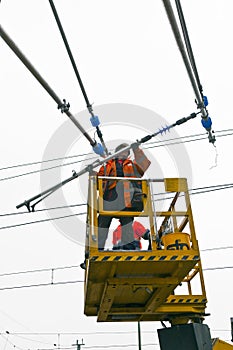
139 232
117 195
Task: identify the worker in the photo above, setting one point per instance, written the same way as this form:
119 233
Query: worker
117 195
139 232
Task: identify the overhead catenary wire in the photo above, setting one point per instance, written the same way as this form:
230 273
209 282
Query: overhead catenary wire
191 192
43 169
45 209
153 144
189 68
89 106
188 45
53 283
44 161
53 269
179 41
61 105
57 347
90 167
91 333
40 221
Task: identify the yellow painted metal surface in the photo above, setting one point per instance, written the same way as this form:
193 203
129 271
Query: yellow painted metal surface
148 285
221 345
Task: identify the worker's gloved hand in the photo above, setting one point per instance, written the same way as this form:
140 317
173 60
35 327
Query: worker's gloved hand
146 235
135 145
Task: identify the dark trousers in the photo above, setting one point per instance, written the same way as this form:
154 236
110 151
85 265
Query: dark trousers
104 223
114 201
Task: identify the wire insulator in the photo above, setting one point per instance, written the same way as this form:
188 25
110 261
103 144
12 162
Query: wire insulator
206 123
164 129
95 121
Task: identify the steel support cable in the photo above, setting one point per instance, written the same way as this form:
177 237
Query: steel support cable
179 41
188 44
45 209
191 192
61 105
150 145
82 281
40 221
89 106
89 168
42 170
44 161
159 142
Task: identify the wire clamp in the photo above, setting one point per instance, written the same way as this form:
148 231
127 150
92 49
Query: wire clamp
211 137
64 107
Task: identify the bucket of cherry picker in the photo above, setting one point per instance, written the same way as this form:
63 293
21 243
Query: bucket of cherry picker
176 241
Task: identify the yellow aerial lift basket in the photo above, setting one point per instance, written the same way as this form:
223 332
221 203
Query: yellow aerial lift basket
146 285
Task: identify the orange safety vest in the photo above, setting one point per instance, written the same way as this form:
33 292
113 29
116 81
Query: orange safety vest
130 168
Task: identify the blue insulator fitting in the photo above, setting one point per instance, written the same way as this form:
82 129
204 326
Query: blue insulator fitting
205 100
206 123
95 121
98 149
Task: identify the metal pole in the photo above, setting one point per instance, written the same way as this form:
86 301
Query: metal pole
78 345
232 329
139 336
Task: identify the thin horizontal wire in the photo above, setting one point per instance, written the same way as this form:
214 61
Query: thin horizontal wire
222 186
41 285
209 189
39 270
41 170
41 210
39 221
90 153
77 266
218 248
92 333
58 166
44 161
79 281
218 268
188 136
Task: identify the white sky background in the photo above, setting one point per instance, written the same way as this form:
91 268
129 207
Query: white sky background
126 53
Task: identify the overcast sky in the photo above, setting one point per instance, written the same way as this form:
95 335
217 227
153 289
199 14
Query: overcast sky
134 75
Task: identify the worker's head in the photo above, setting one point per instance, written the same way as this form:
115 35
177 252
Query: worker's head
123 154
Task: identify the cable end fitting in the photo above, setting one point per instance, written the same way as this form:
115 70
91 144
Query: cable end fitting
95 121
211 138
98 149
